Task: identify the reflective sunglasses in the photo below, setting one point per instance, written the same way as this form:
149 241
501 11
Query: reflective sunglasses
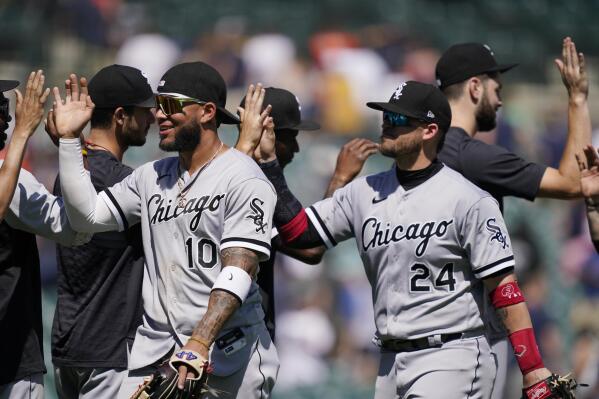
396 120
174 105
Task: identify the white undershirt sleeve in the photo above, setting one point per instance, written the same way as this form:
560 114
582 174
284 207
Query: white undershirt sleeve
86 210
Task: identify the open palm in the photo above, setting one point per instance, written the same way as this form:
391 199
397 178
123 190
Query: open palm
72 114
589 173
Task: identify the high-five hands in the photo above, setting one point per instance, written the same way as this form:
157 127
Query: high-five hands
74 112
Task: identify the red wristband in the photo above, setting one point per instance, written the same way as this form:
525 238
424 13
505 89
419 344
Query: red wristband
506 295
540 390
526 350
295 227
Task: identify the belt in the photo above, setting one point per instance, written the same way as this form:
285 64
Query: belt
432 341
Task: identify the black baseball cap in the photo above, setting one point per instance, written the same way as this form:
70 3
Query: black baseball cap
120 86
200 81
419 101
465 60
286 110
6 85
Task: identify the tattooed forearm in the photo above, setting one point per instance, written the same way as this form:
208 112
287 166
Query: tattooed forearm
515 317
502 313
220 307
221 304
240 257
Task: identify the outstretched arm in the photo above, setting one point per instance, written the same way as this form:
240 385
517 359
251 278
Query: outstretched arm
28 113
565 181
589 183
87 212
350 162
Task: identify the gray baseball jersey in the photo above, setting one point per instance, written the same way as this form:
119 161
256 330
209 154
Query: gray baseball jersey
228 204
424 250
35 210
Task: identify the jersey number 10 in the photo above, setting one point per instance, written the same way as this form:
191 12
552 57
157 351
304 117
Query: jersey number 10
423 272
206 253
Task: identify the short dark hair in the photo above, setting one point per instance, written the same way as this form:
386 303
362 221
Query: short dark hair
454 91
102 117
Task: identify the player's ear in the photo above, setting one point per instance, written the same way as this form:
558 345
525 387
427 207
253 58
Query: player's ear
208 113
431 131
475 89
119 115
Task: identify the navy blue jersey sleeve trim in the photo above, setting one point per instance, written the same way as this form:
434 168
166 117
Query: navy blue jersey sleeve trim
118 208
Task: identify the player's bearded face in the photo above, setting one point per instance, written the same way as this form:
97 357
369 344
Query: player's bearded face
186 137
486 116
401 141
486 113
136 126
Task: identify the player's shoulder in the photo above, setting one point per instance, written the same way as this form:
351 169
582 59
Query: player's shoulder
238 168
105 169
159 167
464 191
382 183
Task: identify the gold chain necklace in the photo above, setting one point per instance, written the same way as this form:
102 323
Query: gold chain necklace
182 192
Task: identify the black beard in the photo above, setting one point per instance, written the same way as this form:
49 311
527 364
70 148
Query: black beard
186 139
3 137
486 117
134 140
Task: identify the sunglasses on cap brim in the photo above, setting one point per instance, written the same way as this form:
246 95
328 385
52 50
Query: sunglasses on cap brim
174 105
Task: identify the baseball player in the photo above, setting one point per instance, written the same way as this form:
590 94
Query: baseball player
469 76
206 224
284 109
99 283
32 210
430 241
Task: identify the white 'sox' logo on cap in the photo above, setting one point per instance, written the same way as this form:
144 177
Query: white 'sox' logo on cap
299 106
398 92
162 82
488 48
430 114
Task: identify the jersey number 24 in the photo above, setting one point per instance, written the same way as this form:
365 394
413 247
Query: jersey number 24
421 281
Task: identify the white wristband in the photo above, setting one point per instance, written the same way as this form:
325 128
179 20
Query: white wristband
235 281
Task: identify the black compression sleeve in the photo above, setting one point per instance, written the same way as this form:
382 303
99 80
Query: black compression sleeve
288 207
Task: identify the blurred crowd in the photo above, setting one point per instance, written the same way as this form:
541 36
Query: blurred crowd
324 312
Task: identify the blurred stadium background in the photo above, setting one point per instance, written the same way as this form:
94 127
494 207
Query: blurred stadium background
336 55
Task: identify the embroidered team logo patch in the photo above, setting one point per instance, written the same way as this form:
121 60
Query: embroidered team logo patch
496 233
398 92
257 215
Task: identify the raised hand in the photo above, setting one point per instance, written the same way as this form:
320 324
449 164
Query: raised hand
72 114
350 161
265 152
573 71
589 174
29 108
352 156
253 119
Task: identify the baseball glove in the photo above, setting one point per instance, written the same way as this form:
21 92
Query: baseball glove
163 384
552 387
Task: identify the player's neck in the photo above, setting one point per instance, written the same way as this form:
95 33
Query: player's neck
209 148
463 118
414 161
105 140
